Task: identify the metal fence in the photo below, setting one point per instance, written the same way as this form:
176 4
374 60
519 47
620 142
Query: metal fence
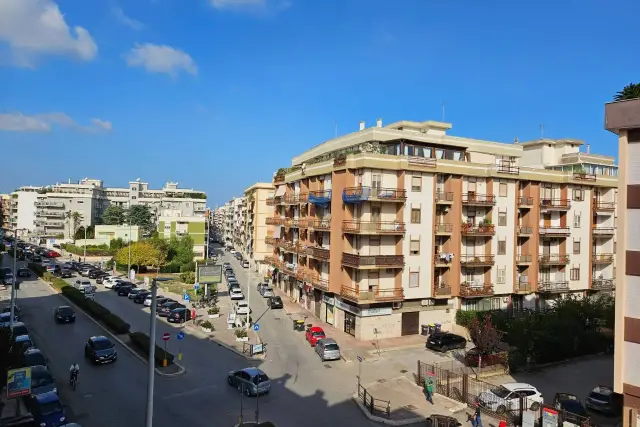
373 405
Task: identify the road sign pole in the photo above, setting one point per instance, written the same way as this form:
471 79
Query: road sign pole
152 354
164 361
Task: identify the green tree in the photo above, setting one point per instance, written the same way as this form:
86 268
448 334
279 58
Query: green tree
75 218
79 234
140 215
113 215
117 244
630 91
180 251
142 254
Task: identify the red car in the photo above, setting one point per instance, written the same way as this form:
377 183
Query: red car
52 254
314 334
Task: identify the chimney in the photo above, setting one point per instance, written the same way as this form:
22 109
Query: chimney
362 125
588 148
379 123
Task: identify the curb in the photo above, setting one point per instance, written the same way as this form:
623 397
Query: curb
457 406
181 369
196 331
386 421
375 352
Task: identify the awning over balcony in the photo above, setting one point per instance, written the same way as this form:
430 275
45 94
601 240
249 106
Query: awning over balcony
277 231
281 190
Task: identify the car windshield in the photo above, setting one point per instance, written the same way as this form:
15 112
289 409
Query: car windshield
43 378
102 344
500 391
260 378
65 311
331 347
50 408
318 334
599 396
34 359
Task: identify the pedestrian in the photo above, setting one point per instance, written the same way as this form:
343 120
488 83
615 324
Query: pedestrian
478 418
428 387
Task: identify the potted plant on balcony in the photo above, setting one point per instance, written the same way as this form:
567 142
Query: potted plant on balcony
213 312
466 225
485 225
207 326
241 335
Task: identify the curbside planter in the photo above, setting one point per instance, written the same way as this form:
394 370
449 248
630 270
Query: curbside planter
207 330
213 316
242 339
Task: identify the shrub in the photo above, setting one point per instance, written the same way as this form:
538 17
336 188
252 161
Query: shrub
188 267
465 318
241 333
208 325
170 268
188 277
140 341
213 310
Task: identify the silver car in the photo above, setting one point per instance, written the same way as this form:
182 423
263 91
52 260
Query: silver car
328 349
251 381
266 292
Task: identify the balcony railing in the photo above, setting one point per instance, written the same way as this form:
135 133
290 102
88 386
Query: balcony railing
584 176
604 231
294 199
354 294
473 289
443 228
373 227
363 194
473 199
444 197
292 222
322 197
50 204
554 259
605 206
364 261
291 247
602 284
555 231
273 260
524 259
557 204
553 286
316 281
602 258
318 252
525 230
508 168
477 260
320 224
485 230
422 162
274 221
525 202
523 288
442 259
441 291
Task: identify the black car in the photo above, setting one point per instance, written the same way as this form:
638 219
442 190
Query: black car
37 258
167 307
65 273
603 399
161 300
571 409
99 349
7 309
123 290
93 274
179 315
34 357
444 341
100 279
116 287
141 296
64 314
24 272
274 302
135 291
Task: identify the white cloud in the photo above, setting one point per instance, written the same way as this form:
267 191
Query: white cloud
134 24
160 59
18 122
34 28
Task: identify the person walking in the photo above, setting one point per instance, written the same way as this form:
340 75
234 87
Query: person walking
428 387
478 417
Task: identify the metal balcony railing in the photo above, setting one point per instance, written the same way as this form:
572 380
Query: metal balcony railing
318 252
485 230
525 230
316 281
523 287
443 228
553 286
354 294
557 259
477 260
555 231
559 204
524 259
274 221
373 227
441 291
320 224
602 284
508 168
322 197
444 197
475 199
604 231
383 261
293 199
363 194
602 258
473 289
584 176
604 206
525 202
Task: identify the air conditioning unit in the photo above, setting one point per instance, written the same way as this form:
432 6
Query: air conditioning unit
427 302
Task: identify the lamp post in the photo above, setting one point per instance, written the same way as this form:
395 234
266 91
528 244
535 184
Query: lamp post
85 243
129 244
15 276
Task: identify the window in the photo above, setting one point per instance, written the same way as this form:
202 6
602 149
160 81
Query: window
374 280
614 247
576 246
414 246
376 180
578 194
414 279
576 220
416 183
502 275
502 219
415 215
574 274
503 189
502 247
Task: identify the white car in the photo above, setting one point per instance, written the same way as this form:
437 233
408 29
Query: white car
236 294
233 251
147 300
112 281
83 284
245 263
242 307
506 397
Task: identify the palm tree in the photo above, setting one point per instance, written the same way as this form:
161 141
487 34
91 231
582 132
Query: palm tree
67 216
630 91
75 217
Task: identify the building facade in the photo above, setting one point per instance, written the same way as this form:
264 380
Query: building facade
182 226
256 230
623 118
5 210
383 230
23 208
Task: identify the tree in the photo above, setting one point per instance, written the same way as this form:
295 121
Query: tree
140 215
180 251
79 234
485 337
10 356
75 220
116 244
630 91
113 215
142 253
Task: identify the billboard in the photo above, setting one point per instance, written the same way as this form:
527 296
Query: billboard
210 274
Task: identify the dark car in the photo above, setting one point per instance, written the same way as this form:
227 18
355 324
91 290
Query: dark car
251 381
5 319
123 290
445 341
499 357
604 399
179 315
99 349
116 286
93 274
100 278
46 409
34 357
64 314
37 258
41 380
134 291
259 286
65 273
141 296
24 272
167 307
274 302
571 408
159 301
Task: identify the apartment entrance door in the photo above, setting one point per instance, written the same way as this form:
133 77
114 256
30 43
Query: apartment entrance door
410 323
350 323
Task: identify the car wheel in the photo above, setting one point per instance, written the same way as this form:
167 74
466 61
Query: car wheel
247 391
501 410
535 406
445 348
229 381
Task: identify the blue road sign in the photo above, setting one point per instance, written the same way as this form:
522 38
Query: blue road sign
256 327
196 286
186 297
180 335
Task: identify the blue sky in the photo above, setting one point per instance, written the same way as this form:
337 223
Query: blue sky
217 94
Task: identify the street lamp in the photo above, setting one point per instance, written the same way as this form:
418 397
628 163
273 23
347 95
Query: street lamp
15 275
152 348
128 236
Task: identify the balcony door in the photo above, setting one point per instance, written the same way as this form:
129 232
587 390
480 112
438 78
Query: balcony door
545 275
546 218
374 245
375 213
376 182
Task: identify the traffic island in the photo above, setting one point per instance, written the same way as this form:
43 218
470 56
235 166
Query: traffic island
164 361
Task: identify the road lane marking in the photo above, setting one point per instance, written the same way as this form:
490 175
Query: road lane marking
190 392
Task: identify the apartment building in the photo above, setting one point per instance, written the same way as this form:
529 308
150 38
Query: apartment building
385 229
239 217
623 118
23 208
180 226
5 210
256 230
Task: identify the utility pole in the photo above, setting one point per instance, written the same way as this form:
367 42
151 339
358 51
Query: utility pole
249 298
85 243
129 266
15 278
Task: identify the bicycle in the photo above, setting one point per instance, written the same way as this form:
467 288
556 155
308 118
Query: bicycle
73 380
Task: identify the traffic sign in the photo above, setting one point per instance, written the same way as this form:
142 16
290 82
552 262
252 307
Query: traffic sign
166 336
359 359
196 286
180 335
256 327
186 297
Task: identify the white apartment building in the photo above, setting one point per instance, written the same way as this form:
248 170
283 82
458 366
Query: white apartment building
23 208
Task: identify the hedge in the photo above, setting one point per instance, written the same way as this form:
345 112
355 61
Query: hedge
92 250
140 340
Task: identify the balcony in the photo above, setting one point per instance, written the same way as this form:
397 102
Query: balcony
274 221
477 260
508 168
50 204
473 199
422 162
442 260
525 202
318 252
443 229
602 258
604 207
555 204
316 281
525 230
273 201
293 270
553 259
320 198
584 177
320 224
373 227
555 231
440 291
523 288
364 194
484 230
294 199
550 287
273 261
372 261
292 222
475 289
54 224
603 232
524 259
602 284
444 197
354 294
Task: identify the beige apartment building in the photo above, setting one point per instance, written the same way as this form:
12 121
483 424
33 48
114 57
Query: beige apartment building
382 230
623 118
255 228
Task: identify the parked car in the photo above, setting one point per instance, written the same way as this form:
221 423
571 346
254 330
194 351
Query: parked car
251 381
111 282
7 309
328 349
116 286
5 319
445 341
226 265
65 273
141 296
261 285
64 314
266 292
124 289
165 309
179 315
41 380
313 334
46 409
571 408
245 264
135 291
236 294
19 329
24 272
506 397
147 300
604 399
34 357
274 302
8 279
242 307
82 284
52 254
85 271
99 349
36 258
